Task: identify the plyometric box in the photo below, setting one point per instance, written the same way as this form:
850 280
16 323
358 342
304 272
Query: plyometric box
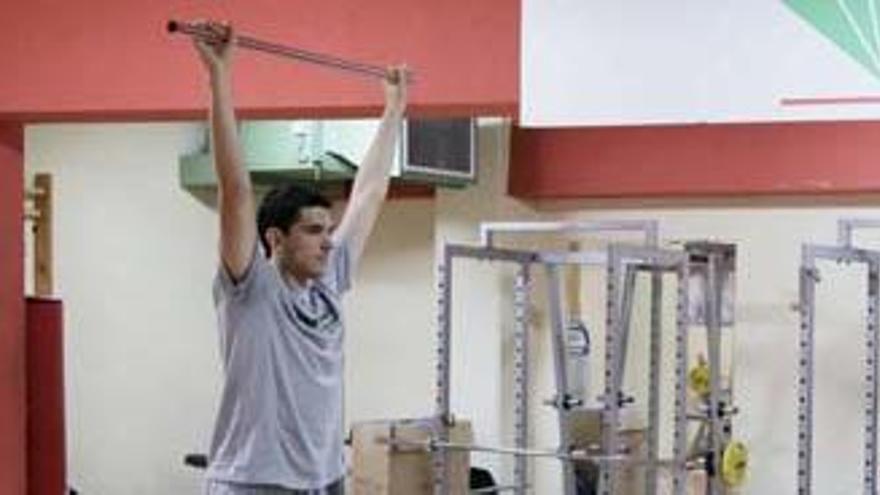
390 459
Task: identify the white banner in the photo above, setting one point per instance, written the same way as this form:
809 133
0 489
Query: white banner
631 62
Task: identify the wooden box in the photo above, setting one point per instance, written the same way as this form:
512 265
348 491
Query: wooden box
403 466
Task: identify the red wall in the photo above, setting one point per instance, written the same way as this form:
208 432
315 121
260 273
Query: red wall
813 158
46 439
100 59
12 384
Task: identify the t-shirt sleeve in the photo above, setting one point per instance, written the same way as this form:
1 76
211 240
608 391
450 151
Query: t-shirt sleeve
254 276
338 274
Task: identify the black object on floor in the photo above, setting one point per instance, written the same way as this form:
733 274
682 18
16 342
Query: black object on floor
586 475
482 478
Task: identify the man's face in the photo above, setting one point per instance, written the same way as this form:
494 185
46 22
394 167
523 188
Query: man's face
302 252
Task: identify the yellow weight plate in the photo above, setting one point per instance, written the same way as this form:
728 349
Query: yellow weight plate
734 463
698 379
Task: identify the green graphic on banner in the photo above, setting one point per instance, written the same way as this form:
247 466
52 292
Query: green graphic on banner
852 25
864 16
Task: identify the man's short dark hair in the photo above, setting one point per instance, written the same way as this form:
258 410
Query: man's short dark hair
281 207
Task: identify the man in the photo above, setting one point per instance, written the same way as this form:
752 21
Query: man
279 425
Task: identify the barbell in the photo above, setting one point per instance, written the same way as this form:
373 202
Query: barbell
202 31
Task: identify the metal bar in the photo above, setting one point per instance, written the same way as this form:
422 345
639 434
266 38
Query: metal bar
521 372
626 308
444 339
651 258
574 456
679 446
611 396
560 362
577 335
846 226
839 254
491 254
248 42
656 357
577 455
808 279
713 342
589 258
649 227
870 477
444 364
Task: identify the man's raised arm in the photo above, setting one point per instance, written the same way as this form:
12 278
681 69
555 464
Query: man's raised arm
238 231
373 175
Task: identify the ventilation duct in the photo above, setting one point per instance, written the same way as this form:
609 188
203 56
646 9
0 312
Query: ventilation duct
431 151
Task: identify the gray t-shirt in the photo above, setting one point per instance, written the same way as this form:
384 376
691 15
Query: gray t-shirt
280 415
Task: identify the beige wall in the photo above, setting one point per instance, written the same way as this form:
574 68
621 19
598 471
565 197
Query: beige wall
135 254
133 257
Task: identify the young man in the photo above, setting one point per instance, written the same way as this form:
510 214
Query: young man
279 426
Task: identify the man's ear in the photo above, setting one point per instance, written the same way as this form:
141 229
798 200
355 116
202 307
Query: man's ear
274 237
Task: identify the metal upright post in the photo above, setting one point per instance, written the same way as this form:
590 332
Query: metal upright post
444 342
656 353
560 357
808 279
806 305
679 447
521 374
713 342
626 309
870 477
611 396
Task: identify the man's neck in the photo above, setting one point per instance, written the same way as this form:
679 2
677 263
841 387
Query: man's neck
293 280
